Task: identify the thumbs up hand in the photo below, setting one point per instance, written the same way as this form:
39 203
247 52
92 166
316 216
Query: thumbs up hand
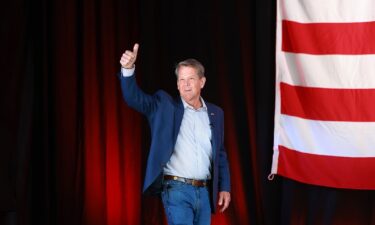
129 57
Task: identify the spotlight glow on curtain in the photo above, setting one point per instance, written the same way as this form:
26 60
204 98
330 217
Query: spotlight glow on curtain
325 88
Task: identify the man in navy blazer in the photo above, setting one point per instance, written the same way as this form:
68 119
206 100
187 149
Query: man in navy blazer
187 162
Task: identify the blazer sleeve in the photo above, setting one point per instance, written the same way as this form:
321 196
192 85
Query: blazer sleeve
135 97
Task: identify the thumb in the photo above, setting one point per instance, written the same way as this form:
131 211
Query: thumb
220 200
135 48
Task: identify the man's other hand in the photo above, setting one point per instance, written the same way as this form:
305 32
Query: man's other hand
224 199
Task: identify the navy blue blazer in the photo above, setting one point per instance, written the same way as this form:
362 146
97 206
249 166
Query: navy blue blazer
164 115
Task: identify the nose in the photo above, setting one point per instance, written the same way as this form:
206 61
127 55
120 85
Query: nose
186 83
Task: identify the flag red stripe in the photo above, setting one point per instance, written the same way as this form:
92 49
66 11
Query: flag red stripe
328 104
331 171
328 38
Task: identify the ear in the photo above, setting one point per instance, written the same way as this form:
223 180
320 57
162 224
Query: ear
203 81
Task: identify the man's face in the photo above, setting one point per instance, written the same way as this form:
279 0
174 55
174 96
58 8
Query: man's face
189 83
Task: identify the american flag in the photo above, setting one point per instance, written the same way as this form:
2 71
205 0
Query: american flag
325 93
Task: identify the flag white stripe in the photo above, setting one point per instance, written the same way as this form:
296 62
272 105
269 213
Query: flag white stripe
325 11
327 71
347 139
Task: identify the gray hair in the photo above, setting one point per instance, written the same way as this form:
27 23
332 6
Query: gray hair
191 63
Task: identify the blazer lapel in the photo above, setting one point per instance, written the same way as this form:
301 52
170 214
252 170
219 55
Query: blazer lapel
212 117
178 114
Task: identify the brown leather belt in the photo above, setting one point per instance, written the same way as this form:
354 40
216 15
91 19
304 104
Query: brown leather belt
196 183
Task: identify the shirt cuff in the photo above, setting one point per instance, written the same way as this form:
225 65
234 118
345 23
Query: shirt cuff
127 72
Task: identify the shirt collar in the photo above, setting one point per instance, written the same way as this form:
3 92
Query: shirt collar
186 105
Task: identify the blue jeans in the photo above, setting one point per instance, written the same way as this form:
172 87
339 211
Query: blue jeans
185 204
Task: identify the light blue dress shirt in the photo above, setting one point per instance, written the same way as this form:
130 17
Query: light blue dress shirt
192 154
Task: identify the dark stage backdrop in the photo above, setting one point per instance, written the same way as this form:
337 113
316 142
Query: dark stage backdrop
73 153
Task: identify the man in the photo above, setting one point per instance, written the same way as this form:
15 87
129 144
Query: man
187 160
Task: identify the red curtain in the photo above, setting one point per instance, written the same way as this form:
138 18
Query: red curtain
105 140
112 132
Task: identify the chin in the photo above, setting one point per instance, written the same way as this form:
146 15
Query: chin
187 98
